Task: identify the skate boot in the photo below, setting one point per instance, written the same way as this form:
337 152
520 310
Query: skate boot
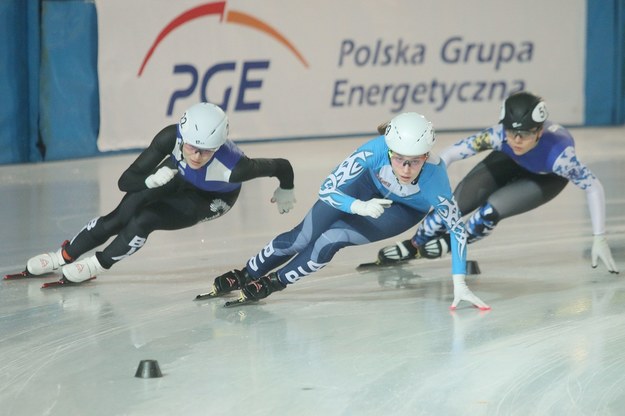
258 289
48 262
226 283
82 270
401 251
404 250
435 249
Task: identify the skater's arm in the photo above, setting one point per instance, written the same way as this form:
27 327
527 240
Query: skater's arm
283 196
568 166
458 239
448 211
133 179
247 169
487 139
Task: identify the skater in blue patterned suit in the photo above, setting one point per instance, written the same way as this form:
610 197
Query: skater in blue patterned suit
191 172
382 189
531 162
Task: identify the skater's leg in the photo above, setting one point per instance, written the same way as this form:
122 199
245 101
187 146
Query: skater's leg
348 230
312 244
474 189
515 198
97 231
276 252
482 222
94 233
284 246
318 220
431 239
173 212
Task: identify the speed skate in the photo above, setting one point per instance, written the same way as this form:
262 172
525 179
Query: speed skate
63 282
22 275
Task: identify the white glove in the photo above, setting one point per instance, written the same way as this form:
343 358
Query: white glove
371 208
601 249
160 177
285 198
462 292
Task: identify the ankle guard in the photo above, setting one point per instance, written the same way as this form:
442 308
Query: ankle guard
66 257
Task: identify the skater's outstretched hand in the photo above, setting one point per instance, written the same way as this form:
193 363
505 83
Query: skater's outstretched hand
601 250
284 198
160 177
371 208
462 292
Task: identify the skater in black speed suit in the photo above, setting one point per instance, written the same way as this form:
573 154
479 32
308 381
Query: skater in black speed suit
191 172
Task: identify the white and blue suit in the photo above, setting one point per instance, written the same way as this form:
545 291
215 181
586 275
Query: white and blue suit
504 184
330 224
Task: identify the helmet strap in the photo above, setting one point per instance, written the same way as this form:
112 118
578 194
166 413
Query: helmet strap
417 178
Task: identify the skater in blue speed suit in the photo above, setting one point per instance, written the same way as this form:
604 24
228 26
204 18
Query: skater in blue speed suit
191 172
531 162
382 189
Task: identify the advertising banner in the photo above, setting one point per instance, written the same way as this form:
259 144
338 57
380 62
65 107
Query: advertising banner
284 70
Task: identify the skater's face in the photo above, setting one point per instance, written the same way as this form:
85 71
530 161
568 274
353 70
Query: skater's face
195 157
522 141
407 168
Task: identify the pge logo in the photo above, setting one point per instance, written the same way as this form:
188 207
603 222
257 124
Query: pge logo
242 78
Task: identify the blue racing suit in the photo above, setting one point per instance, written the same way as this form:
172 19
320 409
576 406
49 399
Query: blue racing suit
505 184
331 225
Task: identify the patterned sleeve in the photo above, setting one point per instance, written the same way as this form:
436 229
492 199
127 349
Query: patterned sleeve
346 172
568 166
448 210
490 138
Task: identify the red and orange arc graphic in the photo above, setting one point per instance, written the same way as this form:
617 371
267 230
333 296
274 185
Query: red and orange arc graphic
231 17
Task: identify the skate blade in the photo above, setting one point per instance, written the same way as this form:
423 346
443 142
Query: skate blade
63 282
242 300
210 295
26 275
371 265
379 265
21 275
214 293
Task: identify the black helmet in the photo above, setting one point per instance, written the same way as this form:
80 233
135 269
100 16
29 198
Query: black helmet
523 111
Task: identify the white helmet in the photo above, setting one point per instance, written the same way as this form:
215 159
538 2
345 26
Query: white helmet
409 134
204 125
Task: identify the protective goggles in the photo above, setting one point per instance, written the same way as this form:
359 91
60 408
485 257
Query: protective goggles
410 162
523 134
203 152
